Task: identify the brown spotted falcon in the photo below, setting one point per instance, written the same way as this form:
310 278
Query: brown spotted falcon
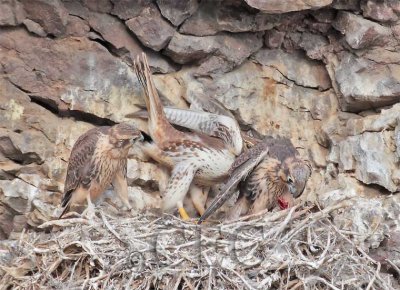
271 173
98 159
204 155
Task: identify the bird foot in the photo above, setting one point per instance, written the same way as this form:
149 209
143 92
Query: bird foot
89 213
184 215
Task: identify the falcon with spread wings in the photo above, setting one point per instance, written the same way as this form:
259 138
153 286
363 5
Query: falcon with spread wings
99 158
204 155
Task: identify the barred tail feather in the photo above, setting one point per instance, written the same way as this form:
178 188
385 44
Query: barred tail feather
157 118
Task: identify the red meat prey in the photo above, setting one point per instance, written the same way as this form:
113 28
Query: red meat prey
283 203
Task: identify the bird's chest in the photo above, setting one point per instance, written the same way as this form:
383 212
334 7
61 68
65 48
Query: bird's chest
265 183
213 165
107 168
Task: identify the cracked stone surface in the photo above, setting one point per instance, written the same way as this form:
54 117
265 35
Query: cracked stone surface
325 74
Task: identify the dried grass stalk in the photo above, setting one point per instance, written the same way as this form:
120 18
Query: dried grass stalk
291 249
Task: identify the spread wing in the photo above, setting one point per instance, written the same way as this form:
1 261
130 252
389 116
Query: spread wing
243 165
220 126
214 125
80 162
211 105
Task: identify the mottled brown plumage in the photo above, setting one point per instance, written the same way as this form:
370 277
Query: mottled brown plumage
280 176
204 155
99 158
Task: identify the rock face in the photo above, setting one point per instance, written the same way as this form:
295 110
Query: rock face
295 67
151 29
359 32
51 15
365 84
325 74
177 11
276 6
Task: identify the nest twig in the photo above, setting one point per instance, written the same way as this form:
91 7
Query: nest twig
291 249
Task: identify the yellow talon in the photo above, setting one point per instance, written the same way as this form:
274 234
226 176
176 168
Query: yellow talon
183 214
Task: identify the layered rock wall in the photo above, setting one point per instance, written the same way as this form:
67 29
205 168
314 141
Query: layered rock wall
324 73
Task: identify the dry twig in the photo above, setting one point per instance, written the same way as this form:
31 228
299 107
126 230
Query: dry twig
290 249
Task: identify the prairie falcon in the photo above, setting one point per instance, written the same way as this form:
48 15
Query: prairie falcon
204 155
272 173
99 158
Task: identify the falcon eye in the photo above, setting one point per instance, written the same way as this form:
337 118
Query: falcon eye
290 180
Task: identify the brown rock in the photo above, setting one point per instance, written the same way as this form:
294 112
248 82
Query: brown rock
34 27
216 16
77 26
228 50
49 14
11 13
177 11
78 74
364 84
382 55
371 159
378 10
395 5
126 9
102 6
274 38
185 48
315 45
359 32
324 15
77 8
277 6
115 32
396 31
295 67
7 15
6 221
151 28
346 4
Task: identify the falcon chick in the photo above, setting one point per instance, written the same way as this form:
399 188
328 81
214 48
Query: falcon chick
204 155
271 173
99 158
276 180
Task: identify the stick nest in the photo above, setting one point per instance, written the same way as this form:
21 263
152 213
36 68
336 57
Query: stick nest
298 248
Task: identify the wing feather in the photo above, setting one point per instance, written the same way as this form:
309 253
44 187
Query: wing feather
80 162
238 172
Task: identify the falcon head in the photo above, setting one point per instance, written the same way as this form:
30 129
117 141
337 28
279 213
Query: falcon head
296 173
121 137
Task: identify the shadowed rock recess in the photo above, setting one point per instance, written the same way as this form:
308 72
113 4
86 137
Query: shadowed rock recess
325 74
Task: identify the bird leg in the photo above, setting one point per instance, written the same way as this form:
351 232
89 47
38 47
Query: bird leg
182 212
199 197
89 212
178 186
121 188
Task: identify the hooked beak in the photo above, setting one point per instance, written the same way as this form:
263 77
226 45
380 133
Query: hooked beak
296 191
292 189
